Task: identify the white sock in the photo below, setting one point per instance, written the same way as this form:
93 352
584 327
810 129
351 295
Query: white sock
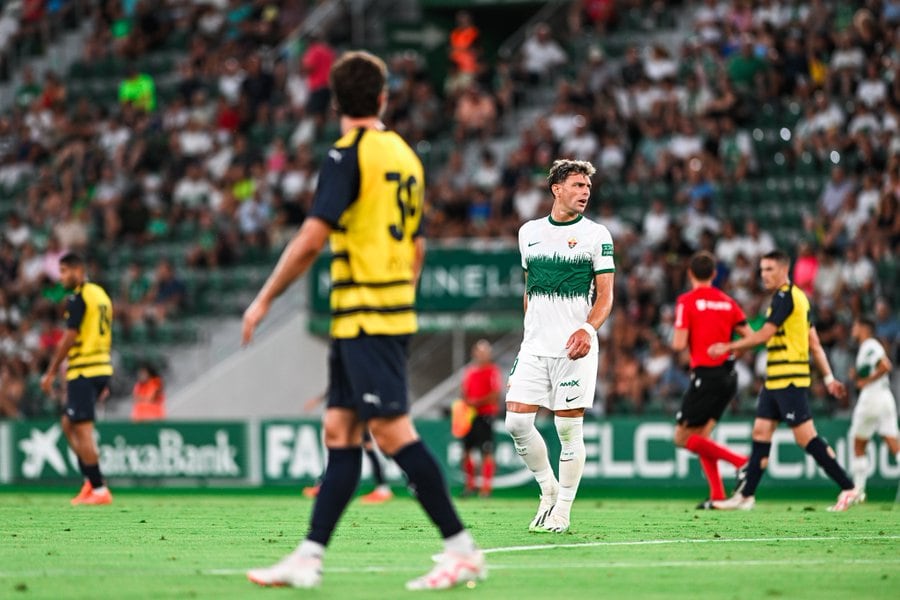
310 549
100 489
859 467
461 543
571 461
532 448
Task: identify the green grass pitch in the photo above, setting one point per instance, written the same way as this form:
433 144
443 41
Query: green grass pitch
180 544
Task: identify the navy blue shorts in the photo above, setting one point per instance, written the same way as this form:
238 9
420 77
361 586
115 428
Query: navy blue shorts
368 374
711 391
789 404
81 397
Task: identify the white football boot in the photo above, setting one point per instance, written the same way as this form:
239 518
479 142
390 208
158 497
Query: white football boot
548 501
451 570
293 570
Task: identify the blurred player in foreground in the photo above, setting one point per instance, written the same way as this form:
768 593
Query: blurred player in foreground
369 201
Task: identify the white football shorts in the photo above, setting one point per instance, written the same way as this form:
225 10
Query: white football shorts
556 383
874 413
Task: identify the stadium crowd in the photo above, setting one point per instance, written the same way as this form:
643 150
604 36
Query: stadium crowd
223 151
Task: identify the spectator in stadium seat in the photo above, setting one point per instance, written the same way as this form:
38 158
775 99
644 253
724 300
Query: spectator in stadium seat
465 45
148 395
655 223
858 272
541 54
756 241
167 294
805 267
132 293
475 114
316 64
846 65
12 383
138 89
28 90
747 70
528 198
256 88
887 325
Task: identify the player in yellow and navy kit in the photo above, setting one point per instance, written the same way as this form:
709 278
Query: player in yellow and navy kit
368 204
86 347
790 339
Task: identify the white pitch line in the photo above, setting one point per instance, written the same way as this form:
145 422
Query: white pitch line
664 564
539 547
593 564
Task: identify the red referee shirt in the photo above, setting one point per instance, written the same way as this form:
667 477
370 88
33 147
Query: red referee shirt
478 382
709 315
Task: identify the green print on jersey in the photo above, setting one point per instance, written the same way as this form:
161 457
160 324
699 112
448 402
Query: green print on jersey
560 277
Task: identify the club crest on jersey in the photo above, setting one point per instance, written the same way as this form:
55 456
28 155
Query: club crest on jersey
572 242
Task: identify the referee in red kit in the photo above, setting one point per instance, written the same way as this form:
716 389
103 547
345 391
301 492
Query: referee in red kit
703 316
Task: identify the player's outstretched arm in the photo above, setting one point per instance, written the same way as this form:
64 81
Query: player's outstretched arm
294 262
760 336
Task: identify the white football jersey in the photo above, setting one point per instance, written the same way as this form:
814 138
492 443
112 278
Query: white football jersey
870 354
560 261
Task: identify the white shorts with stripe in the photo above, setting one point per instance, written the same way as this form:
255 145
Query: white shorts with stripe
874 413
555 383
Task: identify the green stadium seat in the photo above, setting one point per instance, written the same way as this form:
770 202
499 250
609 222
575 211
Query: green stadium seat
80 70
745 193
632 195
807 164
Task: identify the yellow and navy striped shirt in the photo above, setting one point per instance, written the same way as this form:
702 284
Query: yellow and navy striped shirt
89 312
788 350
371 191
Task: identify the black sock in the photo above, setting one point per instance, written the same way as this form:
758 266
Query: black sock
758 453
819 450
337 488
92 472
426 482
377 474
81 467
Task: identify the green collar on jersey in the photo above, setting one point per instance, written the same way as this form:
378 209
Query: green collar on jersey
561 224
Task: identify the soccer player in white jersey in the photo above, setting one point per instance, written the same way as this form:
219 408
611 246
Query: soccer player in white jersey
569 269
876 409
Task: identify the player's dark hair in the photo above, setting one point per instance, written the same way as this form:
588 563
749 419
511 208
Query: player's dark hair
561 169
866 322
702 266
71 259
779 256
357 79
